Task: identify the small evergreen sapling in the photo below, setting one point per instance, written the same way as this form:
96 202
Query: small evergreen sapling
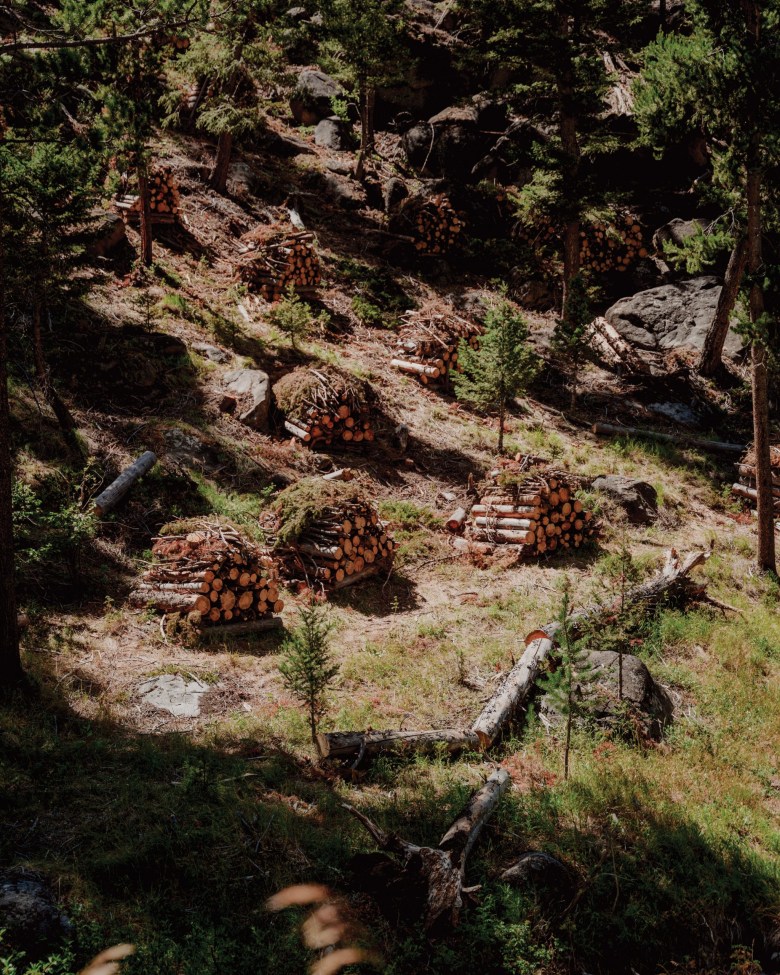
564 687
307 667
501 368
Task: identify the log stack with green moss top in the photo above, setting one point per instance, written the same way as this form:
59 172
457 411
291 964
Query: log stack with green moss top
326 406
326 534
210 573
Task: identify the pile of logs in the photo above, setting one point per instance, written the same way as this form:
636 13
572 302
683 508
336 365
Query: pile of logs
327 405
341 540
211 574
538 512
428 343
745 487
432 221
164 199
276 261
613 246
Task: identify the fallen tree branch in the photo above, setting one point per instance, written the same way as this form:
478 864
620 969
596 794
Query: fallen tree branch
113 494
441 870
610 430
361 744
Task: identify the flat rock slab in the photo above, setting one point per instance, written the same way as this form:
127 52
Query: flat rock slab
637 498
29 915
670 316
174 694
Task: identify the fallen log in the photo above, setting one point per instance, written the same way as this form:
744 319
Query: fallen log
456 520
358 745
610 430
743 491
671 582
113 494
441 870
242 629
370 570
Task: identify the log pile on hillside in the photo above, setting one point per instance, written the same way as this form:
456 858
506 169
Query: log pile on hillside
164 199
428 343
210 572
326 406
536 511
613 350
604 246
432 221
326 534
745 487
273 261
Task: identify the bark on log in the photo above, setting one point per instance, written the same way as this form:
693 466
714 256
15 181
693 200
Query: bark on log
363 744
242 629
114 493
456 520
442 869
712 351
747 492
672 582
370 570
608 429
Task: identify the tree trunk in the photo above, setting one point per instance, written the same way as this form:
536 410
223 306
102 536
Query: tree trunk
662 16
358 745
567 130
108 500
760 365
10 663
42 374
671 583
711 353
501 415
219 173
146 217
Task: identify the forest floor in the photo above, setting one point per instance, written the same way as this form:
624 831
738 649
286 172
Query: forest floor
171 832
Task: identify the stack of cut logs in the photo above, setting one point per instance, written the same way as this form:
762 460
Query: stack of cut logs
327 405
745 487
277 261
538 512
428 343
344 543
164 199
432 220
613 246
213 573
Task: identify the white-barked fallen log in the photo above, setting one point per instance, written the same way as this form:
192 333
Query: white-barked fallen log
108 500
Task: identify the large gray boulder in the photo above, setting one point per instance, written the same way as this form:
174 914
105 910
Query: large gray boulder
251 391
448 144
29 915
637 498
670 316
105 235
650 703
312 98
333 133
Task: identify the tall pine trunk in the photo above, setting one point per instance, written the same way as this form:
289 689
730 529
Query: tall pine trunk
760 363
567 131
146 216
219 173
367 100
10 663
760 380
712 351
50 394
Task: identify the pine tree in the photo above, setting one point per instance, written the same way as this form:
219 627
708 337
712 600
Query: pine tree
307 667
501 368
566 685
367 36
724 79
555 50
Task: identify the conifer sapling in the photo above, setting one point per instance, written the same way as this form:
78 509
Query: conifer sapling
501 368
307 668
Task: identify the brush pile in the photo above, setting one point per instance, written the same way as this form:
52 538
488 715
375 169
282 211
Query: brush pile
613 246
428 343
326 533
164 199
535 511
274 261
745 487
325 406
211 572
432 221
